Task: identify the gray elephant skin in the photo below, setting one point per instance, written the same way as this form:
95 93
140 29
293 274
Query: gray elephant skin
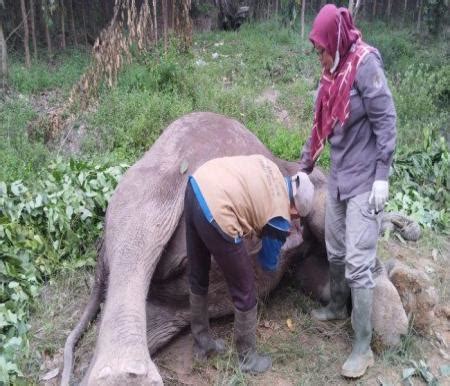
141 273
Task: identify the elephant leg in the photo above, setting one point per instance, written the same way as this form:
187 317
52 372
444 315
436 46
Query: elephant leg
121 355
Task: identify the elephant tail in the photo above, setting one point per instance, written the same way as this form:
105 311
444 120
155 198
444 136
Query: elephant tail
90 312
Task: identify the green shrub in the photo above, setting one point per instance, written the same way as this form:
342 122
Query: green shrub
44 227
397 49
419 96
421 183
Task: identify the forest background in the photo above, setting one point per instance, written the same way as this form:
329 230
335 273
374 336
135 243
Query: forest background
87 86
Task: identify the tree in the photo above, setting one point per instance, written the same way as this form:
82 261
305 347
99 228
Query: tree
33 28
303 17
63 25
419 14
165 22
3 58
353 7
72 24
26 37
46 10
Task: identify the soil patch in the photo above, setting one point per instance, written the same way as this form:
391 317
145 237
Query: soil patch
271 95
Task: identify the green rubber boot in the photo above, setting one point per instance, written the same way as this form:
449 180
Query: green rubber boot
361 357
336 309
204 344
245 338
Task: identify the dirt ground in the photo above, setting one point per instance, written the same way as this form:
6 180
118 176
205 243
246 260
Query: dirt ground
304 351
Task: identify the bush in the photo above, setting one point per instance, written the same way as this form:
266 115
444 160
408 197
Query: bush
419 96
44 227
421 183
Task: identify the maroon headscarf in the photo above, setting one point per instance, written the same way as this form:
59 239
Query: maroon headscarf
333 29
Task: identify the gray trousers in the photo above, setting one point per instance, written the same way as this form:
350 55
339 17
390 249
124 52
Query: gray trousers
351 235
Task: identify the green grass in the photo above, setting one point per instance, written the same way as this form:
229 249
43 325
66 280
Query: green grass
21 159
62 72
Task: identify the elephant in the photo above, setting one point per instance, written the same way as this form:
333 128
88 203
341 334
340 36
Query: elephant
141 273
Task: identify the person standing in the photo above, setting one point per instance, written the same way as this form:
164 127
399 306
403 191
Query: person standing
227 200
355 112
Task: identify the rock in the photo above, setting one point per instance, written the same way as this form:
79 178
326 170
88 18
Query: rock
418 296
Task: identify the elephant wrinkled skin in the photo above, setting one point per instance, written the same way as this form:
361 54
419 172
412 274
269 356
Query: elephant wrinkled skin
141 273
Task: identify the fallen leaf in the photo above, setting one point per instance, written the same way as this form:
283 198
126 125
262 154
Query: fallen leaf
382 382
290 324
51 374
440 339
184 167
445 370
409 372
444 354
434 254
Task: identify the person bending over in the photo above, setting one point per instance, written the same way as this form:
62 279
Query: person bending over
227 200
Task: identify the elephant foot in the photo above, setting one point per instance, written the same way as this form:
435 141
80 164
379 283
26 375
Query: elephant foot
126 371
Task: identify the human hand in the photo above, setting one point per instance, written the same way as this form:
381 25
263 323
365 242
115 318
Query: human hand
379 194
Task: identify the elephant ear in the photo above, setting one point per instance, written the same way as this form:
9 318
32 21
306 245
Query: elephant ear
316 217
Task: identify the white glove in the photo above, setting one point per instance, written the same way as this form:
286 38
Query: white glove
379 194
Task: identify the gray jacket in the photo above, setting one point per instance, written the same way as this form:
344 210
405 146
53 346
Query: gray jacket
362 149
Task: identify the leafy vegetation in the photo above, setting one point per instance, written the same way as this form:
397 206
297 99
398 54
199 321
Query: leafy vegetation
421 183
50 216
45 227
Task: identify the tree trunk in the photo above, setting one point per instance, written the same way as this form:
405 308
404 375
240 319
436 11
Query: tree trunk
353 8
165 21
389 8
350 6
105 9
405 8
155 23
3 59
83 14
374 9
302 20
33 28
47 34
72 24
172 22
63 26
26 37
419 14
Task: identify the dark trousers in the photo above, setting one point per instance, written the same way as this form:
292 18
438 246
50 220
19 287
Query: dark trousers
204 240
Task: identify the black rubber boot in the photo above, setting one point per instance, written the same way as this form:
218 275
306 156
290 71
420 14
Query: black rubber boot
336 309
361 356
245 338
204 344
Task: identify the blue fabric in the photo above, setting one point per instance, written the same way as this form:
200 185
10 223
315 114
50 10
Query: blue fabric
289 189
280 223
272 240
201 199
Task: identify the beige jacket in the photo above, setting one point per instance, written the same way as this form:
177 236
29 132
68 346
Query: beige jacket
243 193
